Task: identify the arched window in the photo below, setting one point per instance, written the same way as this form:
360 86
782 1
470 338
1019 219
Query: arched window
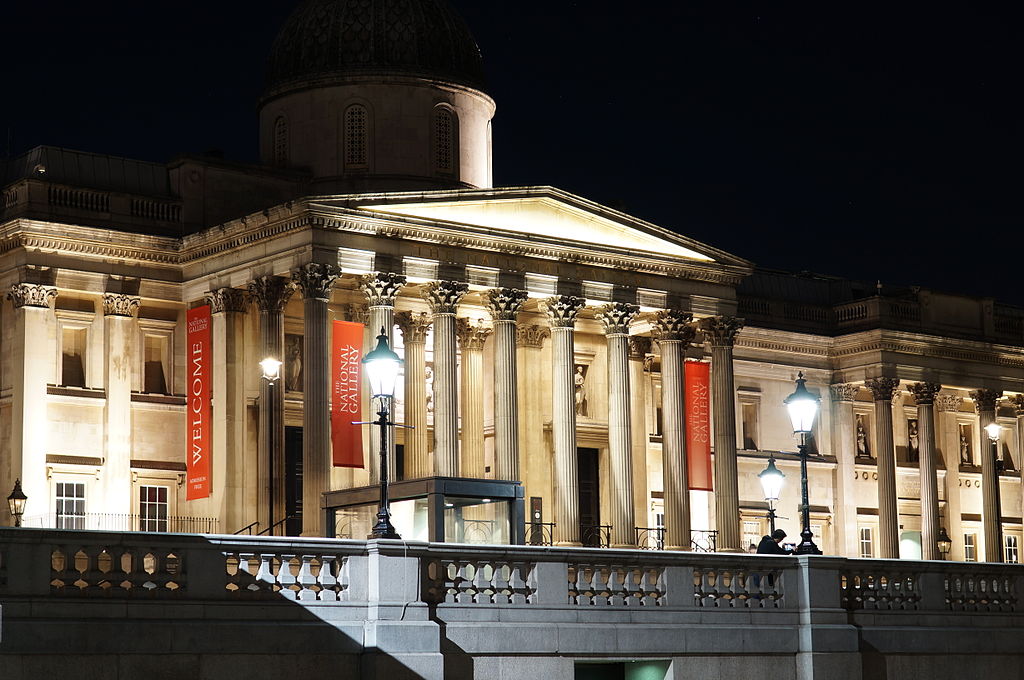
446 136
281 141
356 138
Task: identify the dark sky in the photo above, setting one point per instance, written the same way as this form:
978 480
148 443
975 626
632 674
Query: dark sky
873 144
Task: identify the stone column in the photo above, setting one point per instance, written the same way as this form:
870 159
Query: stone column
615 319
1018 405
720 333
536 463
119 312
316 281
233 473
443 298
674 333
504 305
845 444
992 524
472 337
380 289
414 327
32 357
562 311
924 395
882 390
948 406
271 294
639 349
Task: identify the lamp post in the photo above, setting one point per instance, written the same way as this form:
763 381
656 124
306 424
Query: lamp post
803 407
271 369
771 482
382 367
944 542
16 502
993 429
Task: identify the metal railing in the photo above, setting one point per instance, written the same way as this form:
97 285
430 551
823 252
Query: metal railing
104 521
596 535
653 538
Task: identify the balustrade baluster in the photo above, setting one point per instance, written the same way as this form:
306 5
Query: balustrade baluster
306 579
326 579
285 578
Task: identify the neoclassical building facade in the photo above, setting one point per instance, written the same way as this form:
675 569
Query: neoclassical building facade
545 340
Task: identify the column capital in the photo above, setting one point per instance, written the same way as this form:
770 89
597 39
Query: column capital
1018 404
270 293
355 312
120 304
925 392
444 296
616 317
720 331
471 335
381 288
531 336
882 389
31 295
949 403
316 280
639 347
986 400
505 303
414 325
674 325
224 300
844 391
562 310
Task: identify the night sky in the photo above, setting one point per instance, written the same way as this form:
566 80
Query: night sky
836 139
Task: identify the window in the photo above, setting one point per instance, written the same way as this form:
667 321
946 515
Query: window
867 545
445 141
156 368
356 138
751 534
153 508
970 547
750 435
73 356
70 505
1011 554
281 141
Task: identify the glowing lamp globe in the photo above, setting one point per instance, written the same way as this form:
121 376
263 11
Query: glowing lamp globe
382 367
802 406
993 430
771 480
271 369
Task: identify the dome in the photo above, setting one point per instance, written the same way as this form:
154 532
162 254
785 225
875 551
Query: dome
327 40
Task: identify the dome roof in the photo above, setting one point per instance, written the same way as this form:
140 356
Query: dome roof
325 40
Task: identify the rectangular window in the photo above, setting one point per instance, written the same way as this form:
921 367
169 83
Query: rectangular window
867 547
750 435
156 363
970 548
1010 550
70 505
73 357
153 508
751 535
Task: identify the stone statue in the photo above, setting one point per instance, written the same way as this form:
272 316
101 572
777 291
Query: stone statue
913 448
580 383
430 388
293 363
863 447
965 447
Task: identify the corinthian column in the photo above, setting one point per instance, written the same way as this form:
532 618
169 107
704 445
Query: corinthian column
380 290
271 294
535 469
948 406
414 329
924 395
992 524
472 337
504 305
562 311
844 443
119 312
1018 405
443 298
316 281
720 332
882 390
639 349
674 333
615 319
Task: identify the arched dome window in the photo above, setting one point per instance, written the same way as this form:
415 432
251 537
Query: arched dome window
446 141
281 141
356 138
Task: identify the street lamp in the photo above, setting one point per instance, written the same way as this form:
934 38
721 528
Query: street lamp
771 482
382 366
803 407
944 542
16 502
993 429
271 370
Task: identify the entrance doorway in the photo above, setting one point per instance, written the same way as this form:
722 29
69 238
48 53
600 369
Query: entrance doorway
293 481
589 497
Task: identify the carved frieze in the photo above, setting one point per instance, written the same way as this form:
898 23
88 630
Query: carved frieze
531 336
925 393
986 400
316 280
562 310
882 389
471 335
119 304
444 296
674 325
844 391
381 288
270 293
616 317
31 295
414 325
505 303
226 300
720 331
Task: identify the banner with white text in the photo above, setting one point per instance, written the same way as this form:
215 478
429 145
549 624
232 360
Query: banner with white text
199 410
346 394
697 375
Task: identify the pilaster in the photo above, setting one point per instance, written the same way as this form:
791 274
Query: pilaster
844 444
924 395
414 327
119 312
443 298
472 337
504 305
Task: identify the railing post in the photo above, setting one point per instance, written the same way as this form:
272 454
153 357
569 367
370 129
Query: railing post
27 565
204 569
826 639
679 587
551 583
931 586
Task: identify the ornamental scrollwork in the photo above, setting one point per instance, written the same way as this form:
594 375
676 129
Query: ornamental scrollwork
562 310
882 389
673 325
270 293
31 295
616 317
226 300
844 391
986 400
925 393
381 288
315 280
444 296
120 304
471 335
414 325
531 335
505 303
720 331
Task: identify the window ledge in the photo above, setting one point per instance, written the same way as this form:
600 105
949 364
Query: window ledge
150 398
69 391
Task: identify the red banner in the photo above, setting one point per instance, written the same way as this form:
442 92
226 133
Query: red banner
199 409
346 394
697 376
